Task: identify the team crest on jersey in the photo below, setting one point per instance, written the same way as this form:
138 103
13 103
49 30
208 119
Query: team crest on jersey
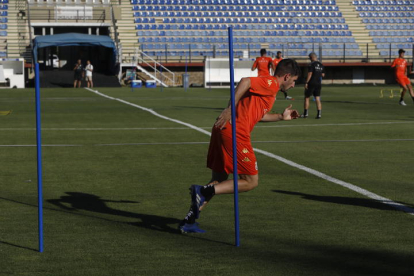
245 150
246 159
269 82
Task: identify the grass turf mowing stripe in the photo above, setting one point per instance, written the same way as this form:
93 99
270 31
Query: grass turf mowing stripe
186 128
199 143
397 206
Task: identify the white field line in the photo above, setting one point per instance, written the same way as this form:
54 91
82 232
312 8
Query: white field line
344 184
186 128
151 111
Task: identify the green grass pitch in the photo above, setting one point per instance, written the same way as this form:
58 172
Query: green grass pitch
116 184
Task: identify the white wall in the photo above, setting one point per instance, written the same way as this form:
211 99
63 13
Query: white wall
217 72
14 71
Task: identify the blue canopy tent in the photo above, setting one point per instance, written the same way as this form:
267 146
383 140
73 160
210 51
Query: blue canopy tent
73 39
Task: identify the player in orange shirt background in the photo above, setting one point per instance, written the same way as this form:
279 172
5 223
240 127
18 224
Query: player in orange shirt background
254 99
400 65
263 64
278 58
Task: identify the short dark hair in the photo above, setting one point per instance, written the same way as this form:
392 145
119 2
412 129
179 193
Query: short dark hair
401 51
262 52
287 66
278 52
311 55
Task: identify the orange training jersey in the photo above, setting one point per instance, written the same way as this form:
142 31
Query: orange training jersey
400 64
276 61
262 64
253 106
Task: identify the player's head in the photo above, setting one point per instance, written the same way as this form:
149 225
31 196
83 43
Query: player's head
289 71
263 52
279 54
79 61
88 62
313 56
401 53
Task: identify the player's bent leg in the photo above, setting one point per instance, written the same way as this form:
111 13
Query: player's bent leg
410 89
218 177
245 184
319 107
305 108
404 89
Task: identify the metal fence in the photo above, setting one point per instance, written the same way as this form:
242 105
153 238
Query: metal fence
328 51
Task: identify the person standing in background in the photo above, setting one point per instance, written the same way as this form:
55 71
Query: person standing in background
316 71
89 70
78 74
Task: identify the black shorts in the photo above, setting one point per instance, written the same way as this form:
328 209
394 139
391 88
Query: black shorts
78 76
313 90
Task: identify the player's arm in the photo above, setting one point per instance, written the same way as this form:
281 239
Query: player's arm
254 65
241 89
287 115
272 66
308 79
394 63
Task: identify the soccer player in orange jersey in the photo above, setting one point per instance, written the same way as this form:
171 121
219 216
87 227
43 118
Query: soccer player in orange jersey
254 98
276 61
263 64
400 65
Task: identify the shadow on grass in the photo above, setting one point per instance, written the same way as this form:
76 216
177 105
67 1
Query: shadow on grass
88 202
337 259
361 202
18 246
92 203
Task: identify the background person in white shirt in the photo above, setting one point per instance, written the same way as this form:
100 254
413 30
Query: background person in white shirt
89 70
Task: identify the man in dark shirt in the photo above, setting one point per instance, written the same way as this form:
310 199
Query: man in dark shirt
316 72
78 74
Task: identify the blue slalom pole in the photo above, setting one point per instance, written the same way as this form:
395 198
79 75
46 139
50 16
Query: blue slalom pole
39 158
233 128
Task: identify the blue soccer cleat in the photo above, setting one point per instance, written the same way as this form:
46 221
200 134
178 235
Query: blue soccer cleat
197 199
190 228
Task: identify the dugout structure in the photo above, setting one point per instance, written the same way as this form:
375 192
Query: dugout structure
74 39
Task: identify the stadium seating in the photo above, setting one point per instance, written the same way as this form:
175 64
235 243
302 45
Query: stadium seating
3 27
200 26
390 24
